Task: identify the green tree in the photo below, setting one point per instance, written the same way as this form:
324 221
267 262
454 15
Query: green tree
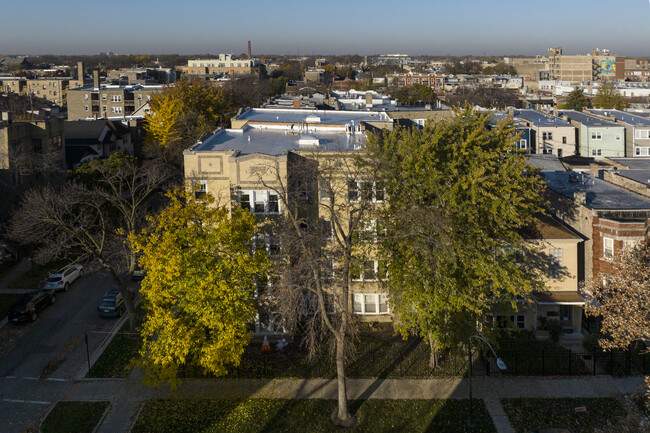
415 93
608 97
198 292
458 193
180 114
577 100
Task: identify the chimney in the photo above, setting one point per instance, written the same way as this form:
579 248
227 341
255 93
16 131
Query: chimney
249 50
96 79
6 116
296 103
80 73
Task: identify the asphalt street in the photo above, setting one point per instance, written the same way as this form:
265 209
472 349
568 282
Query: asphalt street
39 360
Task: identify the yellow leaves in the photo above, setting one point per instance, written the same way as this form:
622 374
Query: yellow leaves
198 290
163 125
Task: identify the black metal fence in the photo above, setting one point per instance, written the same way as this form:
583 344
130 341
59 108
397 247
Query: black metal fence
410 359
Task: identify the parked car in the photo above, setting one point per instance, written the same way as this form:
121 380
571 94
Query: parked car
111 305
138 274
62 279
28 306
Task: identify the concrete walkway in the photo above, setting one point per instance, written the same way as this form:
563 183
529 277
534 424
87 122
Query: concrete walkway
127 395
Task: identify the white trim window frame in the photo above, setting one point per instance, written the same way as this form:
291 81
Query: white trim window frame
200 188
596 135
372 304
260 202
608 248
518 321
366 191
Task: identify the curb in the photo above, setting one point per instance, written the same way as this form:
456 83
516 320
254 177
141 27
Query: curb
136 416
81 376
101 420
100 350
40 424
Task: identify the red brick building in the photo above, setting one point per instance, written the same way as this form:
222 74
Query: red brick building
432 80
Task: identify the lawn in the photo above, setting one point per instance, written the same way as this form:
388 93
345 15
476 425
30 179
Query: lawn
309 416
379 354
115 360
5 303
74 416
528 414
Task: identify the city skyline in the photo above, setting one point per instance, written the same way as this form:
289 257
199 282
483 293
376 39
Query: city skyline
465 27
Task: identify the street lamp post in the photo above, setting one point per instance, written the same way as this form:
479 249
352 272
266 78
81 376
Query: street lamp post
500 364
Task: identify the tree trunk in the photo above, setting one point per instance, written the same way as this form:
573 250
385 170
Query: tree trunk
343 417
433 352
127 295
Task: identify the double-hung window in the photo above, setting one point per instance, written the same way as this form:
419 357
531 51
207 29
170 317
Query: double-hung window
366 191
555 263
200 188
372 303
596 135
608 248
368 270
260 201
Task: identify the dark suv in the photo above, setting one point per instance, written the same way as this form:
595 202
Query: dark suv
28 305
111 305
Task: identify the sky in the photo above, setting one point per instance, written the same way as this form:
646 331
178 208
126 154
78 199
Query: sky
427 27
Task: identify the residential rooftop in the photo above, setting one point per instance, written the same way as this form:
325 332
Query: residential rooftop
500 116
641 176
547 162
129 87
634 163
548 228
588 119
540 119
272 142
327 117
622 116
599 195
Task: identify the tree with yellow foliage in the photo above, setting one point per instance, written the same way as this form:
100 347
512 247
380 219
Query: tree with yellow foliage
181 113
198 290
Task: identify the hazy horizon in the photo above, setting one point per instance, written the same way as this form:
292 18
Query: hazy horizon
466 27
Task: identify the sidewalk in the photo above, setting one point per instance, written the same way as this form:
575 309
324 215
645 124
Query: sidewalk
127 395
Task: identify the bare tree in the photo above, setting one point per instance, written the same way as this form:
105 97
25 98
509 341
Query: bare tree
92 217
328 201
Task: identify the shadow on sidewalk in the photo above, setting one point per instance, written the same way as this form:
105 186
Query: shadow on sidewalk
383 374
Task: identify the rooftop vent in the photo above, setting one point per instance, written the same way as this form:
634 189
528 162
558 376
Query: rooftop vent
312 119
574 178
307 141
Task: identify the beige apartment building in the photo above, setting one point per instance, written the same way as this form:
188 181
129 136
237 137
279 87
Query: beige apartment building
268 151
30 148
581 68
225 64
559 249
105 101
52 89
